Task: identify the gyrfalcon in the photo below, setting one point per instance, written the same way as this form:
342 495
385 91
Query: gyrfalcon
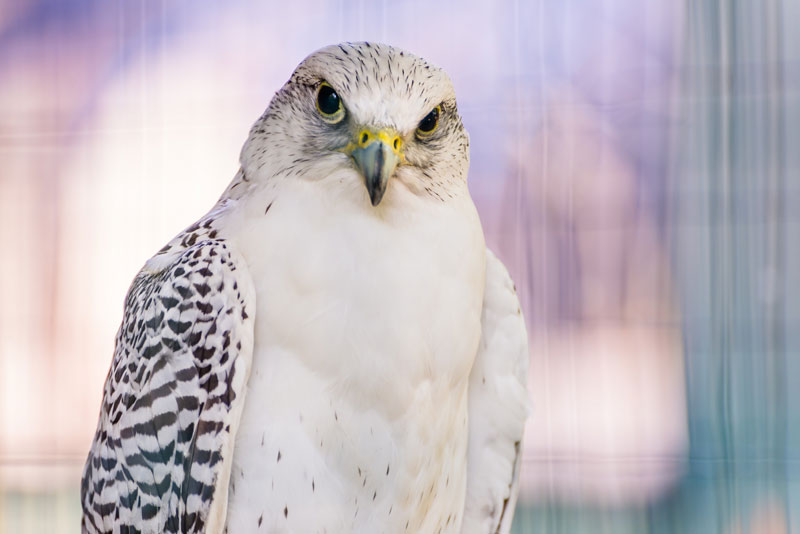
331 348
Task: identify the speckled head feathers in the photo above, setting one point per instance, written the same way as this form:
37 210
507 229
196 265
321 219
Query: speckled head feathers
380 84
379 87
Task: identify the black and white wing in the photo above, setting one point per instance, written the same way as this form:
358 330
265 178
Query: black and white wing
161 458
498 407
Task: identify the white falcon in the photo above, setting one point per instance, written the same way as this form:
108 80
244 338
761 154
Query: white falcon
331 348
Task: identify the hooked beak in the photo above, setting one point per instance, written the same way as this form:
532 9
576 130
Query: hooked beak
377 155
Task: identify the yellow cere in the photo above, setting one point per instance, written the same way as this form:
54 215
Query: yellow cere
386 135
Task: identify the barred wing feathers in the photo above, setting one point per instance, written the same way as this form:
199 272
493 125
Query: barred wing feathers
161 457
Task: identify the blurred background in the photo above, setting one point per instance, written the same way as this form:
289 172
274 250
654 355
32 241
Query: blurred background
635 164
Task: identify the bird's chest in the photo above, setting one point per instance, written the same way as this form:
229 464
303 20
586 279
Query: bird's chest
366 331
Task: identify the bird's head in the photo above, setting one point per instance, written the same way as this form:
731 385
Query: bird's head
375 113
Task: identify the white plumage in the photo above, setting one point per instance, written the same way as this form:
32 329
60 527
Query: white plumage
373 353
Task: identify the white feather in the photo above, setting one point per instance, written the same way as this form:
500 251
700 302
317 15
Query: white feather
498 407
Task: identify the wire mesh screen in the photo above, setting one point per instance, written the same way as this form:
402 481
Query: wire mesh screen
635 165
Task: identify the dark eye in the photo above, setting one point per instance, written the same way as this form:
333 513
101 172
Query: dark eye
429 123
329 104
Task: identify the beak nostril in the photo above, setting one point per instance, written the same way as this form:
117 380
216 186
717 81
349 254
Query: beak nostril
364 137
396 143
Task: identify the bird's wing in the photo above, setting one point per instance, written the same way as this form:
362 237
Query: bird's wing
498 407
160 461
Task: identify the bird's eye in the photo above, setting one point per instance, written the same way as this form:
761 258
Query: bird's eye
428 125
329 104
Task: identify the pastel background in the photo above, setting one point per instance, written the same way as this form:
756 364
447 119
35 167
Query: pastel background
635 164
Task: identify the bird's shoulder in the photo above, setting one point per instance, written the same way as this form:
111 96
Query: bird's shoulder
206 229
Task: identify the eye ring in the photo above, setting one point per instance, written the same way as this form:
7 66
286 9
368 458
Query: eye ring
329 104
429 123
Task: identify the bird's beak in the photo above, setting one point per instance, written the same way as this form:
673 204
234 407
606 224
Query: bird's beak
377 154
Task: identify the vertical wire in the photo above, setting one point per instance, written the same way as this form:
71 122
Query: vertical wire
777 251
572 256
724 253
545 325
